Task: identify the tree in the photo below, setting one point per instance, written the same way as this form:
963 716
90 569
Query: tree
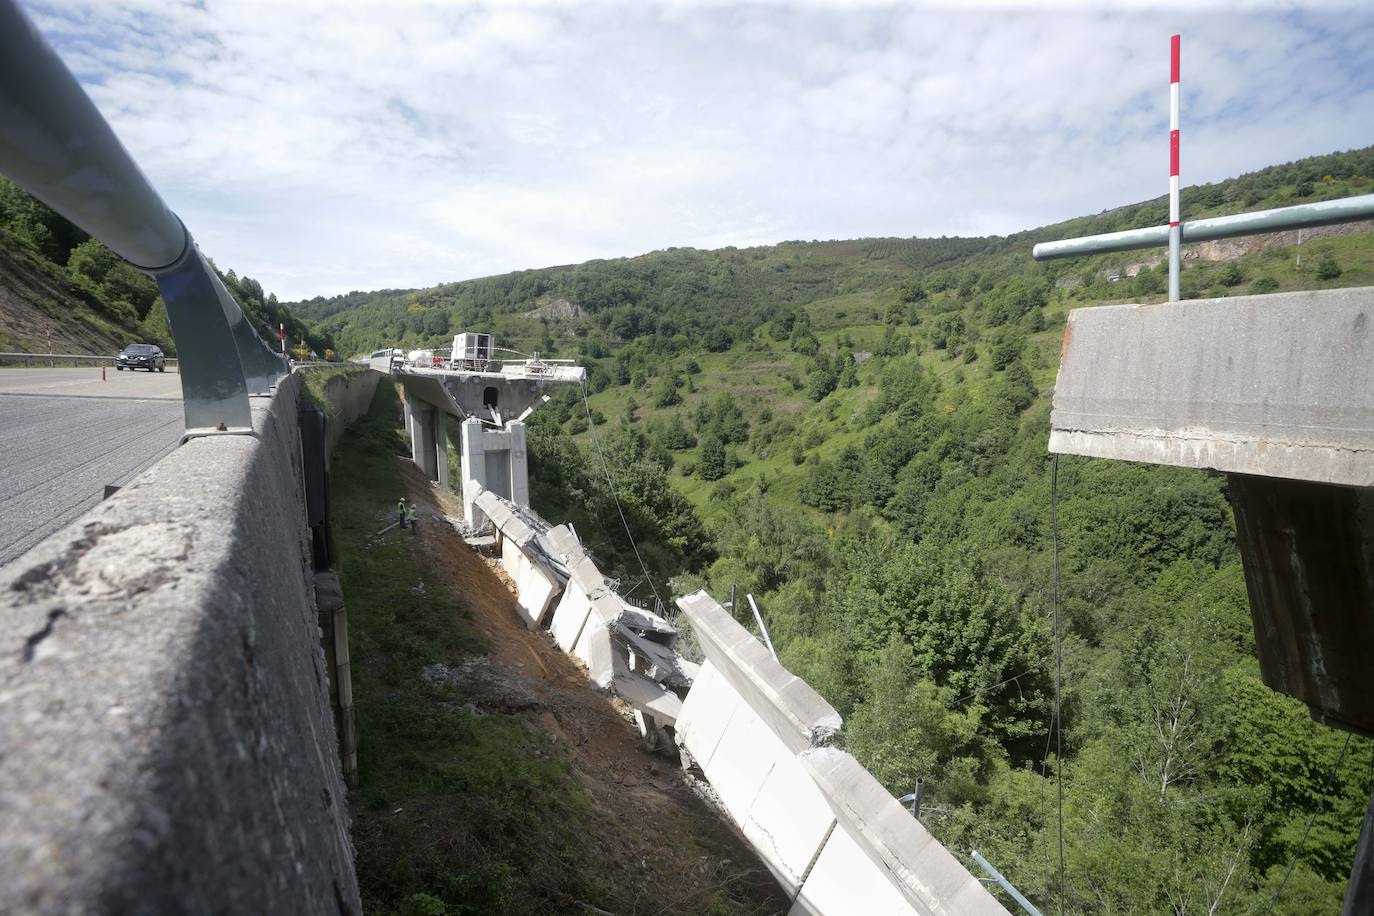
1328 268
1230 275
711 458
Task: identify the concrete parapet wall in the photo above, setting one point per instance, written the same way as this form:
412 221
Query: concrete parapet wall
349 394
168 744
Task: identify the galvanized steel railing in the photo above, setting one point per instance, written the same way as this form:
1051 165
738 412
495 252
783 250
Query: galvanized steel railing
1302 216
55 144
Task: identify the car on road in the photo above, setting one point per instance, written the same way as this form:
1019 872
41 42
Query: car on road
141 356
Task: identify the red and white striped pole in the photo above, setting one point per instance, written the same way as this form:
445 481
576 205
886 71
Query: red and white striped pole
1175 229
281 329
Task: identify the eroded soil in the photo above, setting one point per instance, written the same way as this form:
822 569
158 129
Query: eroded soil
664 850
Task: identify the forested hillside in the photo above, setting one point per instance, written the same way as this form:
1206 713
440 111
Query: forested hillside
855 433
56 280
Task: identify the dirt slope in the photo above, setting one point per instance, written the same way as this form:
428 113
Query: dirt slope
35 300
664 850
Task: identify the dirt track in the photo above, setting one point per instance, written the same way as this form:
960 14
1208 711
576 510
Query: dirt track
661 843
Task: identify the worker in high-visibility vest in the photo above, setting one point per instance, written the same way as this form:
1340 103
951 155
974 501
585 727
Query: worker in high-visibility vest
414 517
401 511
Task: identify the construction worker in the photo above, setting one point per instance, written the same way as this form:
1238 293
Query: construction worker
401 511
413 515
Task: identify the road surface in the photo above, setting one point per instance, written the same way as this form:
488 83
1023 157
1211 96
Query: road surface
65 435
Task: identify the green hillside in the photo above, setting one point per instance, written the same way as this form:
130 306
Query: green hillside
58 284
854 432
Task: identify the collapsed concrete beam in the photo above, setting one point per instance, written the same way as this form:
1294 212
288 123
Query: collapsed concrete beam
799 716
1277 386
503 516
665 663
537 582
647 696
756 777
917 865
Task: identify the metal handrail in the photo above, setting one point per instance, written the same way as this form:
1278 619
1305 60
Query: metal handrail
67 357
1302 216
55 144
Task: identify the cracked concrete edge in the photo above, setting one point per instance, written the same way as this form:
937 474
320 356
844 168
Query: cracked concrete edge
165 726
799 715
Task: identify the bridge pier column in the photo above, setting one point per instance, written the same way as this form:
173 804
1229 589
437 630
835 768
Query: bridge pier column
519 465
441 448
410 423
422 444
474 471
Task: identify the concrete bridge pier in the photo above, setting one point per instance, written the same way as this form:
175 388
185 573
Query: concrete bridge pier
495 460
427 427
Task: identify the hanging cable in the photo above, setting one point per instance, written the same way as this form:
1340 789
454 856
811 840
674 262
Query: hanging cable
1058 667
606 469
1321 803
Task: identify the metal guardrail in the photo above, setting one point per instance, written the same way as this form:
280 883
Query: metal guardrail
55 144
1302 216
66 358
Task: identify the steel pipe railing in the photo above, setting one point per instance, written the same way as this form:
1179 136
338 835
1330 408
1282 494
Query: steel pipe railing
1282 219
64 358
55 144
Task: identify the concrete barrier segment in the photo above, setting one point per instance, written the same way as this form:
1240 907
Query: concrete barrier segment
168 739
565 545
896 843
795 712
1280 385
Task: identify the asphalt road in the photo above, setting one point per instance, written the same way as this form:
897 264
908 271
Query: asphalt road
65 435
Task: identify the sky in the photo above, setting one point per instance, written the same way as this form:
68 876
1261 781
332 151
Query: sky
323 146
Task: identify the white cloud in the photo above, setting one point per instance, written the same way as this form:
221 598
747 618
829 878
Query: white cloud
324 146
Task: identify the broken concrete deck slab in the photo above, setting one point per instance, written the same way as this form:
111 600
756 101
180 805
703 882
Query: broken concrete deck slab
795 712
755 775
1278 386
897 844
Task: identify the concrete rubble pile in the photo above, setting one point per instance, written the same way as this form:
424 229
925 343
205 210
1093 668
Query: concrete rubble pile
831 835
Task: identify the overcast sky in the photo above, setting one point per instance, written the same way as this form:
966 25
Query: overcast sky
328 146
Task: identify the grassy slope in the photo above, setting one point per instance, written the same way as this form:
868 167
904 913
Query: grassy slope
419 749
35 296
462 810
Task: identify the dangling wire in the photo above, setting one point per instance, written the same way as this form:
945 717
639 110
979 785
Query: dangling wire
1321 803
1058 667
606 469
